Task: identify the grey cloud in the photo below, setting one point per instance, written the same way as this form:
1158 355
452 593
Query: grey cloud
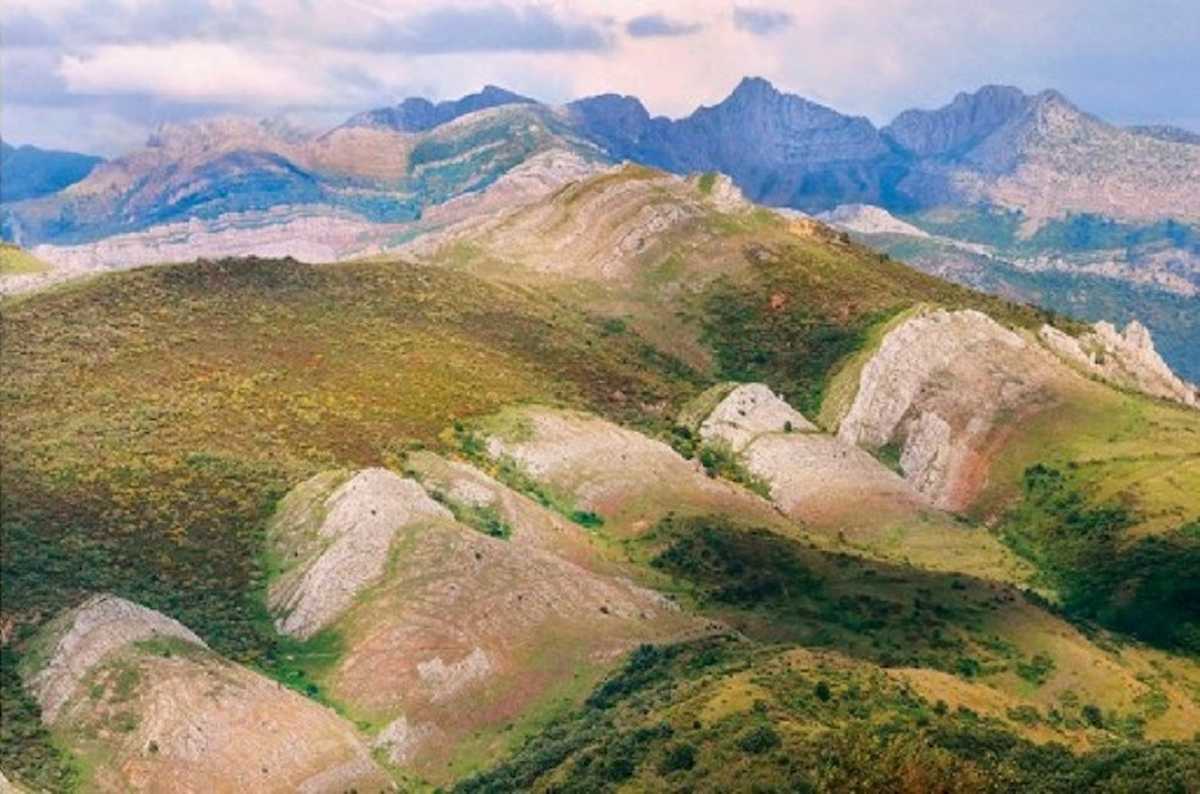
22 29
760 21
448 28
101 22
653 25
492 28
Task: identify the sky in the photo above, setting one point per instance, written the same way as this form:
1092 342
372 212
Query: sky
100 75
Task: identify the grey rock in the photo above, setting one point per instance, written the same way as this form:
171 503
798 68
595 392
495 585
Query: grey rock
347 550
749 411
1126 359
417 114
81 638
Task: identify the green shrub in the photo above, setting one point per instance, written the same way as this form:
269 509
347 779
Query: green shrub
678 756
759 740
1037 670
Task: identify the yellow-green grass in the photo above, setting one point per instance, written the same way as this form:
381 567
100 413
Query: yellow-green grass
152 417
776 588
722 715
15 261
1117 446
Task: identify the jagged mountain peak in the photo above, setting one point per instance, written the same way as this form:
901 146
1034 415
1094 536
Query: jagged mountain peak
961 124
755 86
757 94
417 114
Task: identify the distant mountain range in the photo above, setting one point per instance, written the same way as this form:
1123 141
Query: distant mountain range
29 172
998 177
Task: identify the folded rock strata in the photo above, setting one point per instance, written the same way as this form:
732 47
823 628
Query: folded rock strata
445 630
153 709
941 386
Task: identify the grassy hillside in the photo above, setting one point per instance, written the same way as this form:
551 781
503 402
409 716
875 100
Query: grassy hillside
15 261
724 715
153 418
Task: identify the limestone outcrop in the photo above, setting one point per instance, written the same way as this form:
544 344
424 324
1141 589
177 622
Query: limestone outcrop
748 411
1126 359
153 709
82 637
939 387
835 488
628 478
336 543
445 628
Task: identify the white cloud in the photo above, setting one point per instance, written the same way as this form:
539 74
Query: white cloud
199 71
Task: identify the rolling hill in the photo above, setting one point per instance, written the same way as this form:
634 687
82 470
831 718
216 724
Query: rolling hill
622 481
1045 202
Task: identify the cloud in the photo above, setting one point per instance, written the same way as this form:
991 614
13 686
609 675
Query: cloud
189 71
656 25
495 27
760 21
135 63
23 29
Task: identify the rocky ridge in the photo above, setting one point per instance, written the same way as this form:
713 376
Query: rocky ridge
82 638
435 614
628 478
143 698
1126 359
330 564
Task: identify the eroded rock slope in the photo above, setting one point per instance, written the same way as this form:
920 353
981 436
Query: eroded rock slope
150 708
1126 359
447 631
941 387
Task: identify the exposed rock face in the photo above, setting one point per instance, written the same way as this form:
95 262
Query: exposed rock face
229 167
457 483
1051 159
348 551
309 233
841 491
87 634
172 716
940 385
777 147
1166 132
816 478
955 128
749 411
723 192
629 479
1128 360
601 228
813 477
401 741
447 631
869 219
